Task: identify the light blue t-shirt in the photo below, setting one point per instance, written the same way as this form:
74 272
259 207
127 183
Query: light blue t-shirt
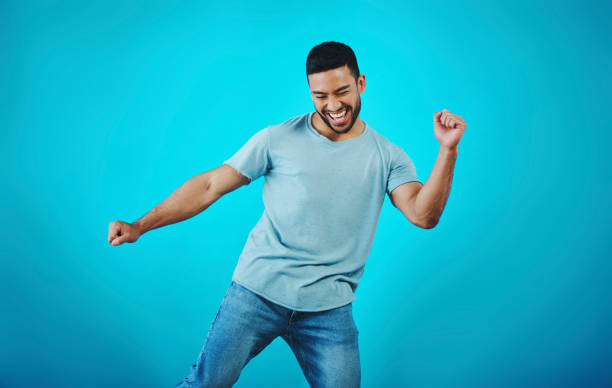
322 203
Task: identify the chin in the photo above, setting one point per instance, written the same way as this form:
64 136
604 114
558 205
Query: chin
343 130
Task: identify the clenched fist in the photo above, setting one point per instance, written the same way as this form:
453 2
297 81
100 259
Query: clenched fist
120 232
448 128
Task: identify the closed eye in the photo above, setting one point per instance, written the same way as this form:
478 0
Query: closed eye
338 94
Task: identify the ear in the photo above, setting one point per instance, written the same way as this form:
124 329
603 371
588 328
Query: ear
361 83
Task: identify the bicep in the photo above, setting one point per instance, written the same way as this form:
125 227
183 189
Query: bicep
403 197
225 179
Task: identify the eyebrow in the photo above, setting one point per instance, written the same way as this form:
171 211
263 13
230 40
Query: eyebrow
335 91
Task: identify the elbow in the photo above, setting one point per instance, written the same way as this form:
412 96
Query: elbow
425 219
428 223
207 191
431 225
422 221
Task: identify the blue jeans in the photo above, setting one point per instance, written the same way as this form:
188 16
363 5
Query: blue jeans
324 342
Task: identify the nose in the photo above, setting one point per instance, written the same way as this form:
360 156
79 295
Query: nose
333 104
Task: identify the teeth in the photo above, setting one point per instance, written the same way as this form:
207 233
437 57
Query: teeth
338 115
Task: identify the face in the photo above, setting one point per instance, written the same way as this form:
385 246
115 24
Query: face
337 97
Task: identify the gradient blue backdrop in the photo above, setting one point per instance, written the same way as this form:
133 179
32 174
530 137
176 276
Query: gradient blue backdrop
107 107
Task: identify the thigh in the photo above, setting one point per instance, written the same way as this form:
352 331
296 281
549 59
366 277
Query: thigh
243 326
326 346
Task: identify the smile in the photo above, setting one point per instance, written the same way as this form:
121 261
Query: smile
339 117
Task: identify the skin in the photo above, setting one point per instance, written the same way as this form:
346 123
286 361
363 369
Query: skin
421 204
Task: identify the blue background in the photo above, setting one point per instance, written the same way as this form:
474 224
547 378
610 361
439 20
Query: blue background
108 107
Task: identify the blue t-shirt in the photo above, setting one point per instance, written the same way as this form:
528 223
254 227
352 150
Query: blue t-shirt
322 203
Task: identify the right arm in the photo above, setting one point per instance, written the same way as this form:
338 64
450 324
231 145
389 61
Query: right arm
193 197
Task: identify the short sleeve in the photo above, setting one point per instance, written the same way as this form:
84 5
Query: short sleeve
252 160
402 169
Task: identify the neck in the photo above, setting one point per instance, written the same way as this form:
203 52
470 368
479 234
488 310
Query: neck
321 127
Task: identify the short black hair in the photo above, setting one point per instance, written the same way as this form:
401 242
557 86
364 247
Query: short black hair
331 55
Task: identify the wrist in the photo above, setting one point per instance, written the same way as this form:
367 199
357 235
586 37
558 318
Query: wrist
449 151
140 228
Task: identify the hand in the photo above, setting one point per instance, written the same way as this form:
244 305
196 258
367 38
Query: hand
448 128
120 232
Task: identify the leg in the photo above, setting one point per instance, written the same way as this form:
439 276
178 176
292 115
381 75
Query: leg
244 325
325 344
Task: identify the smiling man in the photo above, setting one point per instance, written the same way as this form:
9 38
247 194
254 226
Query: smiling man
326 177
338 114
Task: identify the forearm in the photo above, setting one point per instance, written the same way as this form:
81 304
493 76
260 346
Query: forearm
191 198
431 199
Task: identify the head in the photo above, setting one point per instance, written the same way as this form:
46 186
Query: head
335 85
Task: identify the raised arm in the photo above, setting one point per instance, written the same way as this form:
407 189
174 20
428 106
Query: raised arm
191 198
423 204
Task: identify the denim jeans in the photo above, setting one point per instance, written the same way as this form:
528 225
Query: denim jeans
323 342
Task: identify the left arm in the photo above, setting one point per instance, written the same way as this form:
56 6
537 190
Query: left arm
423 204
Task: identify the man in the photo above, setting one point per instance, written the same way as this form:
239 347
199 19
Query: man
326 176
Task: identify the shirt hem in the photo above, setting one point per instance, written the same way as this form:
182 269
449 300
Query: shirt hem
274 300
394 185
231 164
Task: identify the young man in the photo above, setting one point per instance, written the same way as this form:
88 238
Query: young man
326 176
